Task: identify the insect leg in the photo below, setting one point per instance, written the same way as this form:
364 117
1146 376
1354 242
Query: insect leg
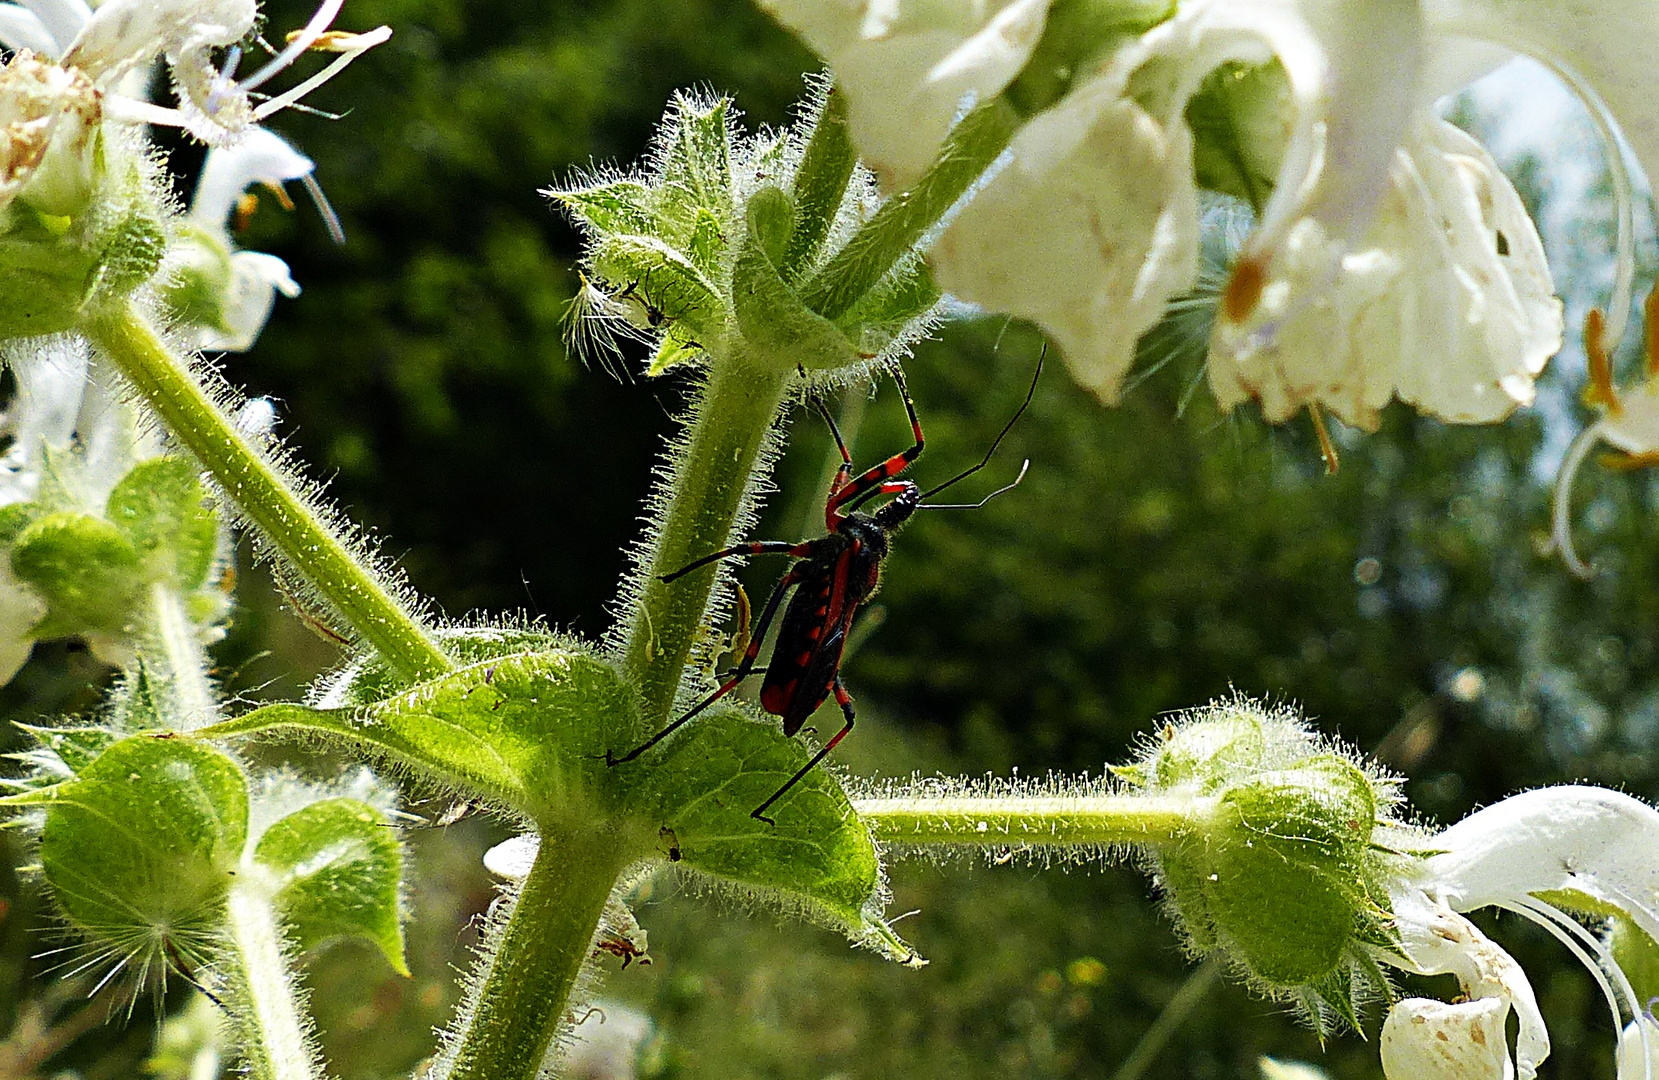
846 467
741 672
885 471
843 699
760 547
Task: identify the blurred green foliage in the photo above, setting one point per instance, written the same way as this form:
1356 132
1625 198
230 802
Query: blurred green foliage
1157 555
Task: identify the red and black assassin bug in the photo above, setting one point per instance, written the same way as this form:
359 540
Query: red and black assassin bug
836 573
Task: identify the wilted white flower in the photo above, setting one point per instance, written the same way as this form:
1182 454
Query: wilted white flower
1392 258
1544 855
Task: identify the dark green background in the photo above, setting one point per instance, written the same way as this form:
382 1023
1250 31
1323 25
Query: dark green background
1158 555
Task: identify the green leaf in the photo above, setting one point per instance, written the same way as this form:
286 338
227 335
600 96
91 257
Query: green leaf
76 746
84 568
891 308
771 215
340 865
662 277
142 845
368 679
617 206
530 731
702 786
161 507
675 348
696 163
1237 121
15 518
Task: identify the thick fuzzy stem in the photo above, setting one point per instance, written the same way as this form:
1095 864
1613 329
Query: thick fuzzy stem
905 220
1049 821
276 1044
705 493
304 538
525 994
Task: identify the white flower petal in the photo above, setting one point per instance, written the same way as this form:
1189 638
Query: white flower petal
1447 303
1435 940
51 378
255 279
1088 230
1639 1050
1634 426
906 66
124 34
1601 843
260 157
1605 43
21 28
512 859
63 20
1423 1039
1353 69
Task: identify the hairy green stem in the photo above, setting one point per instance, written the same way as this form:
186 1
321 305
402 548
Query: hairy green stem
276 1044
1058 820
178 661
303 537
525 994
904 220
705 493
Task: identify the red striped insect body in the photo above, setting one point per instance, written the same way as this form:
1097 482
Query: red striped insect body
833 583
835 575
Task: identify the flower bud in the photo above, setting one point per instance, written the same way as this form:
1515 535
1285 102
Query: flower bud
1280 873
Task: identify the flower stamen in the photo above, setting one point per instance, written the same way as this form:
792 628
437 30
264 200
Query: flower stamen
1327 449
1244 288
1599 392
297 43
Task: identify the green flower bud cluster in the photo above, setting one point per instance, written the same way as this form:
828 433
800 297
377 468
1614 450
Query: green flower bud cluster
1283 871
96 575
713 248
143 837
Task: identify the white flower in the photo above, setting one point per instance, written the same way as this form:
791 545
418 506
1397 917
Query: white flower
1543 855
104 46
1392 259
244 283
70 432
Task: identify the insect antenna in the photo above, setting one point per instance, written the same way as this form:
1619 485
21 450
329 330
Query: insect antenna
986 460
1010 486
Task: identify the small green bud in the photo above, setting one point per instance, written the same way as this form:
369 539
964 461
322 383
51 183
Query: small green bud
140 848
1206 754
131 252
771 220
1281 873
94 573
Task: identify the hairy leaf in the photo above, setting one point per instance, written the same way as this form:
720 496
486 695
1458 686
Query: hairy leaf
530 730
340 865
